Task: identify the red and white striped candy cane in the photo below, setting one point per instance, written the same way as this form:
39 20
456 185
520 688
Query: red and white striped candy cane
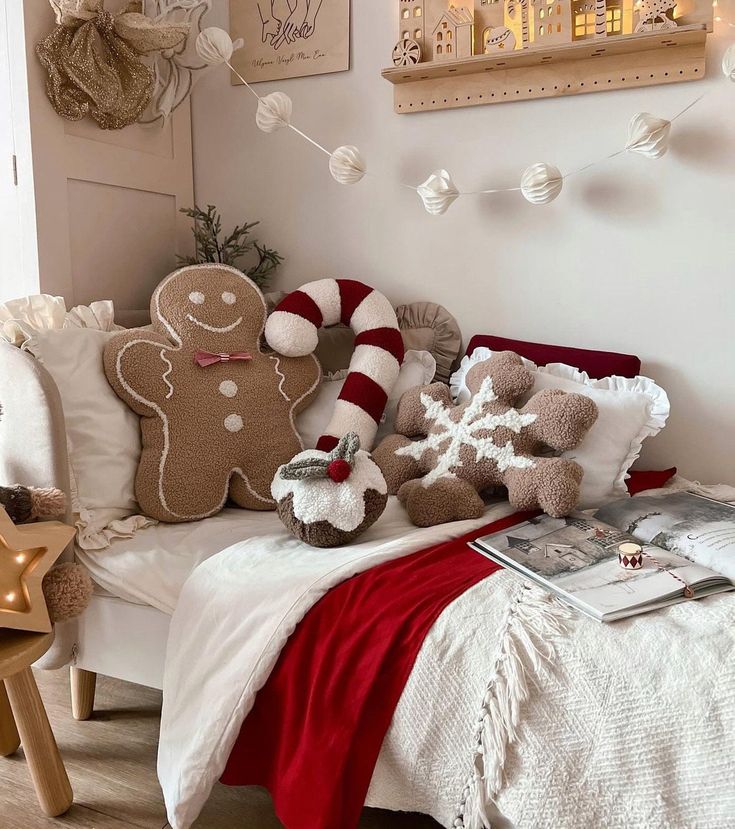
292 330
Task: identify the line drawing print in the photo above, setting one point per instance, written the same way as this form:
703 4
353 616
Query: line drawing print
285 21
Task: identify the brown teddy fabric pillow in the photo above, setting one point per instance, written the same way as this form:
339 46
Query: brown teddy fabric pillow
217 409
463 450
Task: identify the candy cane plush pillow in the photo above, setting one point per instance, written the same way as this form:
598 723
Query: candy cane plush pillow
292 330
329 495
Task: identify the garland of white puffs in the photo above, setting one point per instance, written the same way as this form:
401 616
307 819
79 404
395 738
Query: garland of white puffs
540 183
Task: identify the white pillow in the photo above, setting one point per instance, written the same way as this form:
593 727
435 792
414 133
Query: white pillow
418 369
103 434
630 410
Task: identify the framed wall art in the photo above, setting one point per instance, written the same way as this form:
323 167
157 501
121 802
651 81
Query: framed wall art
290 38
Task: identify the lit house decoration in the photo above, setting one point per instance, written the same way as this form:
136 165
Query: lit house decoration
447 52
26 554
452 36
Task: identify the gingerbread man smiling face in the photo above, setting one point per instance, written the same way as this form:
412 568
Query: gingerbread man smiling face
217 410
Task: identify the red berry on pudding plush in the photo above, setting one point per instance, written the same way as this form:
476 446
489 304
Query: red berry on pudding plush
339 470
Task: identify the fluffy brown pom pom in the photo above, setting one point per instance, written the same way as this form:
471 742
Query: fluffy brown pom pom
47 502
24 503
67 589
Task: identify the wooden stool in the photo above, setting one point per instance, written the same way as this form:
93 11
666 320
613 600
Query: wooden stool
22 706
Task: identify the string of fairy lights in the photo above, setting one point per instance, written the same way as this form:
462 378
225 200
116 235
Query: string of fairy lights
541 183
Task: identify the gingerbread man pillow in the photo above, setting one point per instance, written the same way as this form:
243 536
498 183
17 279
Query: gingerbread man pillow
217 410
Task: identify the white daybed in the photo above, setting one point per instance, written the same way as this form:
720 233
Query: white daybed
631 725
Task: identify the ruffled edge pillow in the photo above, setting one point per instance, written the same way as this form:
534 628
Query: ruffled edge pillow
22 324
21 319
652 422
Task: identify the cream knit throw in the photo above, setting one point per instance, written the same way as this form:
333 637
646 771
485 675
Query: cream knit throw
581 725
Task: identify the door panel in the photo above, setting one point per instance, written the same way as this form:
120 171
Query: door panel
10 245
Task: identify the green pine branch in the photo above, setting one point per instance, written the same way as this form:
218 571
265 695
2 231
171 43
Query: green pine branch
209 246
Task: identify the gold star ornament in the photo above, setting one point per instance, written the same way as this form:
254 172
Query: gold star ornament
27 553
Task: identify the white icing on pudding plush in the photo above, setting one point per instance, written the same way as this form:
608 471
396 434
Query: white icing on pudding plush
342 505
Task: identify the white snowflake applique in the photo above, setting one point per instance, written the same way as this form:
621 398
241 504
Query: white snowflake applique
466 433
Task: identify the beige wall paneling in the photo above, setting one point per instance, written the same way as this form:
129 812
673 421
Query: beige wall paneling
106 201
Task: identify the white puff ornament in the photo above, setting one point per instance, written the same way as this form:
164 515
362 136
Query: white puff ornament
438 193
541 183
648 135
214 46
274 112
347 165
728 62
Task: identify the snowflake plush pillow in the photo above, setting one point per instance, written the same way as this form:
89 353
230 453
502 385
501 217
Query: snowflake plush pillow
630 410
484 442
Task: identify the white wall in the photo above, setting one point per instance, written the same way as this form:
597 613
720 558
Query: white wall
637 256
19 274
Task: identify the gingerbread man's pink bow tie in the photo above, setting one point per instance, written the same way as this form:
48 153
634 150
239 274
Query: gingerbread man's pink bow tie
206 358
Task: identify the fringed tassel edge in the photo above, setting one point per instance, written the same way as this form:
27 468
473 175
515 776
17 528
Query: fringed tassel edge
525 635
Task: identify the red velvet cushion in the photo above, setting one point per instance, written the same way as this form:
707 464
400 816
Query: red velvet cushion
596 363
640 481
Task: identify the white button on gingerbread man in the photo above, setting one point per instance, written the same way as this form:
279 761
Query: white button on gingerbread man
217 411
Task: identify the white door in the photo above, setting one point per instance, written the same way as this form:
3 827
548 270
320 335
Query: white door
107 202
10 231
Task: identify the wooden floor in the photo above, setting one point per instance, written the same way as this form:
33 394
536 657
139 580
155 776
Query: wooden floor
111 760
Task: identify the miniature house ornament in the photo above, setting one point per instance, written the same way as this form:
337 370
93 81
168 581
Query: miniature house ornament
438 193
541 183
455 53
648 135
274 112
347 165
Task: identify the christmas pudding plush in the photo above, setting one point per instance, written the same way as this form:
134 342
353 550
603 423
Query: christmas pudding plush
465 449
329 495
327 499
217 410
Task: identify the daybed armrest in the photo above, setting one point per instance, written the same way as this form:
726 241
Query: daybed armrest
33 451
32 430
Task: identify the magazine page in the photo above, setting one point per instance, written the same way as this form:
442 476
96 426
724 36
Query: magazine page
577 557
694 526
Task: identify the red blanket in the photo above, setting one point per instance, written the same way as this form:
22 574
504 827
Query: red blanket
314 734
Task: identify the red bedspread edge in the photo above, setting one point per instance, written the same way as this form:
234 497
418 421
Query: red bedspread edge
317 726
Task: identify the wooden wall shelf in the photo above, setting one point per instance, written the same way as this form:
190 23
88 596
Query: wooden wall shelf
571 69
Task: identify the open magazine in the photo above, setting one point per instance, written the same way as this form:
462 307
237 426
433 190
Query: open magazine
576 558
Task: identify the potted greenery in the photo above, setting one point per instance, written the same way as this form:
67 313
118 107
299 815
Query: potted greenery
211 246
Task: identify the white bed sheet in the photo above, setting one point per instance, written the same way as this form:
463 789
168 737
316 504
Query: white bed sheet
152 566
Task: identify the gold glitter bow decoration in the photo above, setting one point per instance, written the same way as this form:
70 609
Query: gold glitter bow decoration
93 60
